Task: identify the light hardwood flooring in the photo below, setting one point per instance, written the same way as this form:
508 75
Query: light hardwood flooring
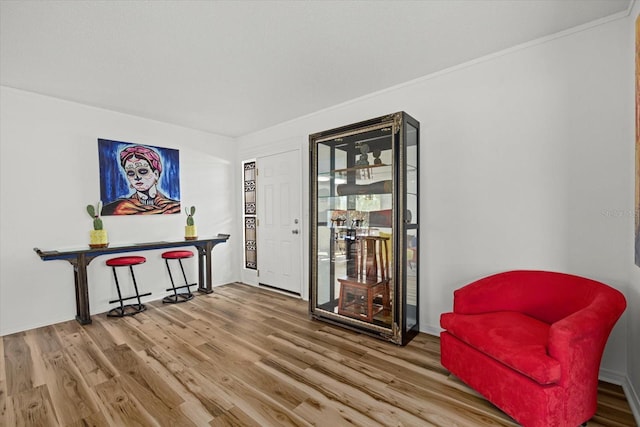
241 356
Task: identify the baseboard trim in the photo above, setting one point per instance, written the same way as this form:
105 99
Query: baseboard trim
612 377
281 291
630 393
633 398
430 330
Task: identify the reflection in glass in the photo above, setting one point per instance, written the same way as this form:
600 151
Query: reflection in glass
412 240
354 187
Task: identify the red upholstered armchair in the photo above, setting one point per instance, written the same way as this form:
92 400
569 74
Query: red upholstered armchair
531 343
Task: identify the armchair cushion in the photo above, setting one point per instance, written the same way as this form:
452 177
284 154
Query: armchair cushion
515 339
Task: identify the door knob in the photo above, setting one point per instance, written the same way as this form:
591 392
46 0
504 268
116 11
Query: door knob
294 231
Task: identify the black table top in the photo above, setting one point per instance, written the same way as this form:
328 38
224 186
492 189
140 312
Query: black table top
129 247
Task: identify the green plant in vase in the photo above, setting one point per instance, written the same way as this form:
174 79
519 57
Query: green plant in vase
98 236
190 230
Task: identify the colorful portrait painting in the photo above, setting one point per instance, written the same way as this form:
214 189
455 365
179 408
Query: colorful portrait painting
138 179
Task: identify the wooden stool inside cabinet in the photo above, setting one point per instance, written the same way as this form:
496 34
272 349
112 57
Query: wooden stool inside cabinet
358 293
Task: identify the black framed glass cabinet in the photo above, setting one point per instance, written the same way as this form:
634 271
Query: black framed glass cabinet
364 236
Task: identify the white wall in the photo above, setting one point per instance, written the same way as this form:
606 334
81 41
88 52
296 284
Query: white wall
632 388
523 159
49 173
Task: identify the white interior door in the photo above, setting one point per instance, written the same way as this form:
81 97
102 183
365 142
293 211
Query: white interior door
279 237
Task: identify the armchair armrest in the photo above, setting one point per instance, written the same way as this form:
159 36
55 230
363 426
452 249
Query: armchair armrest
578 341
588 328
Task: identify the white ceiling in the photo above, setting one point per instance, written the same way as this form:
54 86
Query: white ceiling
233 67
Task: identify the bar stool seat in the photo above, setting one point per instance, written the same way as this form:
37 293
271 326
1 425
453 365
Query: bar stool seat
177 254
124 261
178 297
126 309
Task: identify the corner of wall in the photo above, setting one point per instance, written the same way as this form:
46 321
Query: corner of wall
632 397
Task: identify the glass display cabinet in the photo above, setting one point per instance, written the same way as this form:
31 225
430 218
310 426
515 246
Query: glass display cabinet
364 237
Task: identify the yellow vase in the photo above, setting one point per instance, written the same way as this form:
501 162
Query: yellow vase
98 239
190 232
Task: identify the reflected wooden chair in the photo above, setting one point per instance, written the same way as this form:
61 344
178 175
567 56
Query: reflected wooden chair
367 292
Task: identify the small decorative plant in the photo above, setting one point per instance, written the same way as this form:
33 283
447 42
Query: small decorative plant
190 231
95 214
190 212
98 236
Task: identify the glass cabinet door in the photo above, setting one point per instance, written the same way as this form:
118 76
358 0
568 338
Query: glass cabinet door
411 238
364 208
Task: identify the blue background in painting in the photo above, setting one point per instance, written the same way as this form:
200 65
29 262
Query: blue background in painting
114 184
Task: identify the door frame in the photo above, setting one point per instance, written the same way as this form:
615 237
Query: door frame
303 290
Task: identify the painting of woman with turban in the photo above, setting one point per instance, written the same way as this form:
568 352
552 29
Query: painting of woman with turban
138 179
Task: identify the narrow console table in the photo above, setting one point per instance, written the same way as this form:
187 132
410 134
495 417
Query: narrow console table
80 258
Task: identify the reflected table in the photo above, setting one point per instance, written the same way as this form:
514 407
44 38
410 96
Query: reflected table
80 258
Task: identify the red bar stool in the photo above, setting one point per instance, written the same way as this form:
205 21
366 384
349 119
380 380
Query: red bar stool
177 296
126 309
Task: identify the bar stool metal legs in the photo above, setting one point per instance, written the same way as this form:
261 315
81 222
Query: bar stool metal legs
126 309
178 297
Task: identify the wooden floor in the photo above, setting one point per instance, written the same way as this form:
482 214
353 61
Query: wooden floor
241 356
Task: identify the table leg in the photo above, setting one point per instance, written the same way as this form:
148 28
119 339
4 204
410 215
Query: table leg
82 289
209 262
204 268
